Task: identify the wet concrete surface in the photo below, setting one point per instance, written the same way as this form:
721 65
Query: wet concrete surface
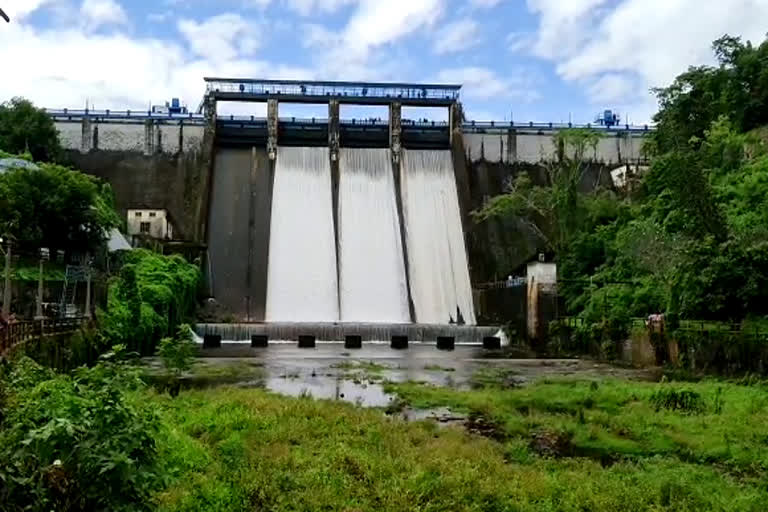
330 371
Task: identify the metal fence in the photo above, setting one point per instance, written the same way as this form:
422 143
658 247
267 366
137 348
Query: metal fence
19 332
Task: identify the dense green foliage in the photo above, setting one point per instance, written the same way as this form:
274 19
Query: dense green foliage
24 128
79 442
736 89
55 207
688 238
150 298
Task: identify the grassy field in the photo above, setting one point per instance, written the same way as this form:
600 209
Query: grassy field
565 445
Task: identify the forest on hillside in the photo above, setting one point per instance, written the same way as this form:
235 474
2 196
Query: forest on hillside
688 237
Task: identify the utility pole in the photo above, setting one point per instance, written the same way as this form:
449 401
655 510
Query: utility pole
7 281
88 287
4 16
45 254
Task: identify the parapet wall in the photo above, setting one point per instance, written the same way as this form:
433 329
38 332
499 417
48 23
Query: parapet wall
147 137
614 147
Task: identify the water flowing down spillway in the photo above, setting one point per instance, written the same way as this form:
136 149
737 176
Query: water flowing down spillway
302 283
372 279
437 260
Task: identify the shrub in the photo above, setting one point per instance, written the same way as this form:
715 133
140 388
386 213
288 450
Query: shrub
76 442
683 400
178 353
150 298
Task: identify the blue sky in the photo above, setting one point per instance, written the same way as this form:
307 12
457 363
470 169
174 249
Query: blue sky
533 60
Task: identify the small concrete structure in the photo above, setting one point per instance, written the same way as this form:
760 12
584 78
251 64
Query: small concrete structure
149 222
541 298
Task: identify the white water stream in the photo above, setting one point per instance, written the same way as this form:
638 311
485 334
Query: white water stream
302 284
372 271
437 258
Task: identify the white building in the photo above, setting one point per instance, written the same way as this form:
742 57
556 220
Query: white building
151 223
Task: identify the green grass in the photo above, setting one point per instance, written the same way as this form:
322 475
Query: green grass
233 449
612 420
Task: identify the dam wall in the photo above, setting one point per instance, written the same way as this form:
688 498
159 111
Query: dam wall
149 166
216 180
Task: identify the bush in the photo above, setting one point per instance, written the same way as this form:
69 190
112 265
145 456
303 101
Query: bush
76 442
682 400
178 353
151 297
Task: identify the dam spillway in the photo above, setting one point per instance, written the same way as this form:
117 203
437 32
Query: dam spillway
385 255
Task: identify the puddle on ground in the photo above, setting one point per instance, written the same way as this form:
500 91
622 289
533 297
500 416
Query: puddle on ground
332 372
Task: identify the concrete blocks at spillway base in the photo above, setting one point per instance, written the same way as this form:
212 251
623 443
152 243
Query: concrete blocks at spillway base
336 332
399 342
212 341
307 341
259 341
353 342
446 343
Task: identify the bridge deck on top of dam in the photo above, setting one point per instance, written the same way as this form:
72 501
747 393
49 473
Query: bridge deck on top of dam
359 93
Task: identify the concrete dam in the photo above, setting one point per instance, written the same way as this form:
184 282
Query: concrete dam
324 227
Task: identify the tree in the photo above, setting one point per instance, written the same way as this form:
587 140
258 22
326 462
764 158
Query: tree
26 128
55 207
553 212
178 353
736 89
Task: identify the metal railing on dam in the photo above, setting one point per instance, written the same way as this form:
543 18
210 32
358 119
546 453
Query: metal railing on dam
199 119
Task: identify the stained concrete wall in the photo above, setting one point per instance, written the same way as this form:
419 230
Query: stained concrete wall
145 168
120 137
70 134
171 182
147 138
522 146
239 227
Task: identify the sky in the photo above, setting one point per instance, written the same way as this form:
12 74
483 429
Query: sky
521 60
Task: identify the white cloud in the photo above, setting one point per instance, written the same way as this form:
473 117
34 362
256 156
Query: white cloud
17 10
98 13
361 49
457 36
614 87
309 7
520 42
484 4
483 84
619 50
59 68
221 37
